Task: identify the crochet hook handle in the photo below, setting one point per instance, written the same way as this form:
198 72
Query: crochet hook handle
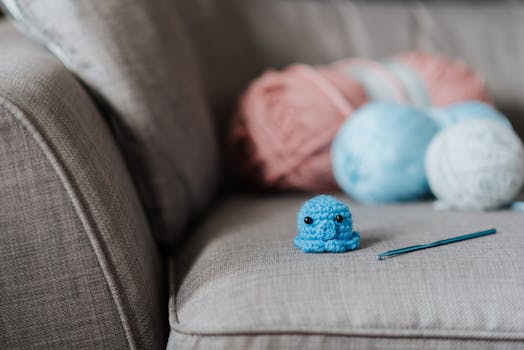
391 253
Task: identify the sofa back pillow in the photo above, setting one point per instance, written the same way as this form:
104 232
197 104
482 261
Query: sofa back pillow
135 59
236 39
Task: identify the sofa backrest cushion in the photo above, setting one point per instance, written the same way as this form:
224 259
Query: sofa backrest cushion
135 59
236 39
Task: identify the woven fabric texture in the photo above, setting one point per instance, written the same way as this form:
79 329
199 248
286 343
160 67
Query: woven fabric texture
136 60
239 280
329 342
79 267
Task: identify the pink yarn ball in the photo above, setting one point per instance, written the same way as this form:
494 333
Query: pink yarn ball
286 120
285 123
446 80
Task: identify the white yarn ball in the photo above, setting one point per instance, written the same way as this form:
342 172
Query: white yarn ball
475 165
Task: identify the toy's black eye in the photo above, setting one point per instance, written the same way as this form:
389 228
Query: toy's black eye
308 220
339 218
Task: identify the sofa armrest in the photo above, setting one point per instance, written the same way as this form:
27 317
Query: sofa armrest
79 267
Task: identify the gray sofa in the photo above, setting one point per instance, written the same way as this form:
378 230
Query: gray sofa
117 226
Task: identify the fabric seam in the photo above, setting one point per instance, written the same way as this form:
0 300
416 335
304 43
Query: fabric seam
365 333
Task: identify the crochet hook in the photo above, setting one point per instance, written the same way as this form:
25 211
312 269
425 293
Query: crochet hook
395 252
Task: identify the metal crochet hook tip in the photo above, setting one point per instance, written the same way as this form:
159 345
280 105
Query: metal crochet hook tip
395 252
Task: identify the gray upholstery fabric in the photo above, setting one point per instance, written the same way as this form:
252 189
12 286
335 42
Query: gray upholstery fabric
79 267
136 59
237 39
328 342
240 281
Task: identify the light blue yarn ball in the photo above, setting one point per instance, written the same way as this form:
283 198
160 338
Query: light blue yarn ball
378 153
452 114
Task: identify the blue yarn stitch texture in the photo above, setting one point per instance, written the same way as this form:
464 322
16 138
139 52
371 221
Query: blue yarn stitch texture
323 233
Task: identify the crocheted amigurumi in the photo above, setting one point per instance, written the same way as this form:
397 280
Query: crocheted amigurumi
325 225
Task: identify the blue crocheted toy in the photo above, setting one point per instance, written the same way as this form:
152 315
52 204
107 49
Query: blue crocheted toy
325 225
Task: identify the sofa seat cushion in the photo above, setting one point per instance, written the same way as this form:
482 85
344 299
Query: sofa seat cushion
239 281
